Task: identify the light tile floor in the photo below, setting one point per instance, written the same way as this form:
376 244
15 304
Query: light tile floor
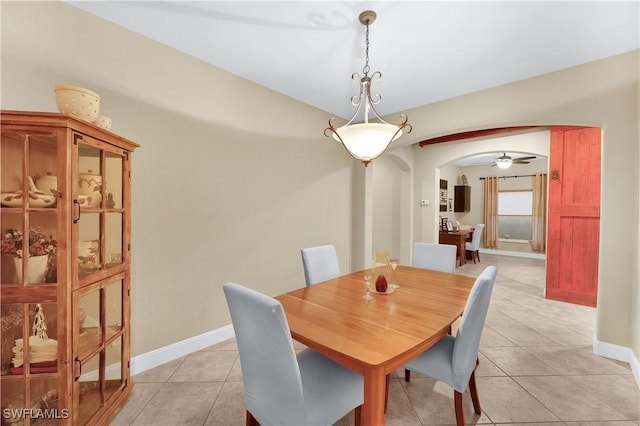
536 368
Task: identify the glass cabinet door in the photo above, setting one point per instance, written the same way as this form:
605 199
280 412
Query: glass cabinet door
29 242
29 362
99 210
114 223
100 358
29 205
87 203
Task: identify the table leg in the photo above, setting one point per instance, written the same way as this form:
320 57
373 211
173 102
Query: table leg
462 247
374 397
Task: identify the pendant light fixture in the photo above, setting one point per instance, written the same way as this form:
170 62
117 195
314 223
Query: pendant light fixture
366 140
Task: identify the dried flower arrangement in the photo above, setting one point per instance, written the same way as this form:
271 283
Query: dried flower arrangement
40 243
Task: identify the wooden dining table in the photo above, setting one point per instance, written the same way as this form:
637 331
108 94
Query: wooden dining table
458 239
374 338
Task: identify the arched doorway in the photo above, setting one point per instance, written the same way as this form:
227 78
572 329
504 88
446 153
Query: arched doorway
574 202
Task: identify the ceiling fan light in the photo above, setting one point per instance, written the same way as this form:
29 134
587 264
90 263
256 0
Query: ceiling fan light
504 163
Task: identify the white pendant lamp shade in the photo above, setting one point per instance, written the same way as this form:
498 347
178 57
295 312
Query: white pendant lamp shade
367 141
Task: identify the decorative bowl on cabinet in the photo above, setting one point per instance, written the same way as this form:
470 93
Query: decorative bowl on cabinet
78 101
103 121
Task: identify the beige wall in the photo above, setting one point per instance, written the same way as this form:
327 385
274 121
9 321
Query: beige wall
386 202
233 179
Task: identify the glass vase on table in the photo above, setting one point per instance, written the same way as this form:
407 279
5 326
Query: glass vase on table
382 274
393 262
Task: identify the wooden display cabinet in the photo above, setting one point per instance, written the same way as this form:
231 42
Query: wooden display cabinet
66 335
462 200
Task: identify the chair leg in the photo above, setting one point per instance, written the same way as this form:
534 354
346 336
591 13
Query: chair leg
251 421
457 397
478 254
474 393
357 416
386 391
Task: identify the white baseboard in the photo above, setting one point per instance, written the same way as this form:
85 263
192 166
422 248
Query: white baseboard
513 253
177 350
619 353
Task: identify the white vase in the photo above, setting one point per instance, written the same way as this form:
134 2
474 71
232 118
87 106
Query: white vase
36 268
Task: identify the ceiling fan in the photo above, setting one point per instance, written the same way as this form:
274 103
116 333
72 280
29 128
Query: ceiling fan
505 161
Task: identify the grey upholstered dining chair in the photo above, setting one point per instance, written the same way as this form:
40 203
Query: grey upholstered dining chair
280 387
439 257
320 263
474 245
453 360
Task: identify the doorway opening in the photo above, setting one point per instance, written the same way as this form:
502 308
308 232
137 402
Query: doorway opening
573 221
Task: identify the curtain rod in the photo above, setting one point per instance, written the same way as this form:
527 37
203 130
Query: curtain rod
505 177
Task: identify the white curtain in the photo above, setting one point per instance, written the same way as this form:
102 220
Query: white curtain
491 212
539 213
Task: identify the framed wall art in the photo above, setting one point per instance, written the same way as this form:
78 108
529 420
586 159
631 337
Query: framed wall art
443 195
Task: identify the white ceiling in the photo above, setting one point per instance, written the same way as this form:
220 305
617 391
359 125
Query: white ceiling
427 51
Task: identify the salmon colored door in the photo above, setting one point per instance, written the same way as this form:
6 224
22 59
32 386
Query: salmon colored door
573 215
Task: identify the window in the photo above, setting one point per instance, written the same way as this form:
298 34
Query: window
514 215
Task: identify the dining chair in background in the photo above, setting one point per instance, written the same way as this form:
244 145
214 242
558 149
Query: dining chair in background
280 387
453 360
474 245
320 264
438 257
